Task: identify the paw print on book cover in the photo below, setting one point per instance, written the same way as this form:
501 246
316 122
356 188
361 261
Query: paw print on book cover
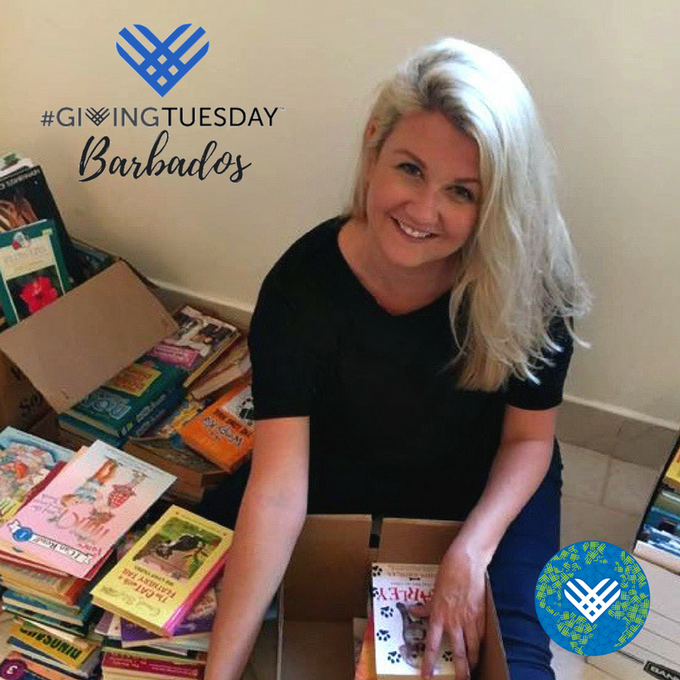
393 657
376 570
447 655
386 612
375 592
383 635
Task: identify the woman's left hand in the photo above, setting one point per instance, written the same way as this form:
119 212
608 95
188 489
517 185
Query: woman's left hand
457 608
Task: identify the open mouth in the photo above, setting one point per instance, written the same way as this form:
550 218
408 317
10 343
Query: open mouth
411 232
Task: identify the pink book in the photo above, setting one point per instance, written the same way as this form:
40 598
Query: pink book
73 523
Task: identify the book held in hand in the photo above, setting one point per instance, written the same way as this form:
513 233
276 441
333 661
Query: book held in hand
165 572
399 632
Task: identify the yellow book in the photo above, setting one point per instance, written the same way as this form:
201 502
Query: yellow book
672 476
70 650
165 571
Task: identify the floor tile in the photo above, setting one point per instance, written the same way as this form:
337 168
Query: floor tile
567 665
629 487
585 473
582 521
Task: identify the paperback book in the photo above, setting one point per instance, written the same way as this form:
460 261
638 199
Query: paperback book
129 398
160 578
73 524
25 462
32 270
25 198
199 340
223 433
399 633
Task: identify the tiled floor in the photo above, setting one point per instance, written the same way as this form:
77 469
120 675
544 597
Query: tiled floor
603 499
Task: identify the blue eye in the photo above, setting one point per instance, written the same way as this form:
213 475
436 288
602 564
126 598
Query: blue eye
410 169
461 193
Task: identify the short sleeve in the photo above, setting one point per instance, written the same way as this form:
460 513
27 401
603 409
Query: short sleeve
283 360
547 393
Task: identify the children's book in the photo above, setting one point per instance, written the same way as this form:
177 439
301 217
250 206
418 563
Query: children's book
26 198
70 650
233 365
32 270
198 622
399 633
25 461
128 665
130 397
16 666
199 340
161 577
223 433
672 475
76 520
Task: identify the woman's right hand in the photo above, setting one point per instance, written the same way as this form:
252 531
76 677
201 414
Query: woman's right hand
269 522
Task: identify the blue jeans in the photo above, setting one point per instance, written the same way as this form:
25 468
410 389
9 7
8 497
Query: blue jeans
530 541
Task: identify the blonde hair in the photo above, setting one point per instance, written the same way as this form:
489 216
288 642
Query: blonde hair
518 269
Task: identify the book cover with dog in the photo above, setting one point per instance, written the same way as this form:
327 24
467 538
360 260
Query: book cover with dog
165 572
398 632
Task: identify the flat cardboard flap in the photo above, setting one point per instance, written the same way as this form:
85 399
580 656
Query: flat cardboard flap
79 341
327 577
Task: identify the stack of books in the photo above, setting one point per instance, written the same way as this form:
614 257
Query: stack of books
161 598
658 538
57 541
655 650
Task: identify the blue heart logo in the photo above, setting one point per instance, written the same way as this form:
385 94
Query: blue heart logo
162 66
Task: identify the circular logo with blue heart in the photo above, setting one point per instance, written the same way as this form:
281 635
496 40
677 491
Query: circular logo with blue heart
592 598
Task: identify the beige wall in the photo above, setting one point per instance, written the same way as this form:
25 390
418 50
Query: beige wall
605 74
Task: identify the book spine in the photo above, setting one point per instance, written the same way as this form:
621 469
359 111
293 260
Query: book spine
155 411
151 666
52 646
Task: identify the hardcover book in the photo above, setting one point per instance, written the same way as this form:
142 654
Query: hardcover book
165 572
25 461
199 340
32 270
223 433
75 521
232 366
399 633
197 622
25 198
129 398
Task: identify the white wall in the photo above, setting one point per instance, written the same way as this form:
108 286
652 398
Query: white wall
605 74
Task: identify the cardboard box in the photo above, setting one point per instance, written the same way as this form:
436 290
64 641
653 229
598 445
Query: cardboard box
327 585
79 341
655 650
21 404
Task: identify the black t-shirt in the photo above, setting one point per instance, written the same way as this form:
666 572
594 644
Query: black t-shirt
390 434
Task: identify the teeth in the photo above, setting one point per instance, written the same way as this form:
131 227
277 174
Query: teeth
413 232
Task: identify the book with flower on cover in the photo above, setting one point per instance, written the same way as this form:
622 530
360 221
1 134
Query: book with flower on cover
76 520
32 270
399 633
165 572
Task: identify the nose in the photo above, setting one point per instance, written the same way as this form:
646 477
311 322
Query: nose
423 207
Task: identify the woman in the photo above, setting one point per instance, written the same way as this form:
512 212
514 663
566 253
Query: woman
408 359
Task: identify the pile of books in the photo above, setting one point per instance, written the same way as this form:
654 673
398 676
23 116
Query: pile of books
77 538
185 406
658 538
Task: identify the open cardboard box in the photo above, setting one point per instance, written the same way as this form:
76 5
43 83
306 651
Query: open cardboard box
78 342
327 585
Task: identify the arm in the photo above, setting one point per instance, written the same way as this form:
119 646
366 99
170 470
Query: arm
458 603
269 522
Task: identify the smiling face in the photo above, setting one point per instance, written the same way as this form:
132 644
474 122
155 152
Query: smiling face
423 192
